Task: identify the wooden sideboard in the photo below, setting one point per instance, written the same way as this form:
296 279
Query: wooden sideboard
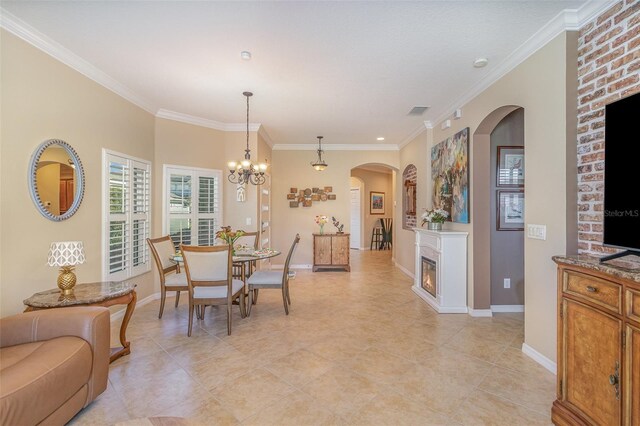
331 251
598 378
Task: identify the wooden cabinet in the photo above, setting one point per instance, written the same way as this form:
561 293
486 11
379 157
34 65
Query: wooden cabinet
330 251
598 344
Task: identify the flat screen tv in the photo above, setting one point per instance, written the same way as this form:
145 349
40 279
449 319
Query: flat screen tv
622 177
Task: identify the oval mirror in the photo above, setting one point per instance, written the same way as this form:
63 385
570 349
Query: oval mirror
56 180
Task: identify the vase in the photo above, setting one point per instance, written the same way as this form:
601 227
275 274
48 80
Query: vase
434 226
321 228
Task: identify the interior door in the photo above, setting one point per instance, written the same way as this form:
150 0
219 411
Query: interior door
355 218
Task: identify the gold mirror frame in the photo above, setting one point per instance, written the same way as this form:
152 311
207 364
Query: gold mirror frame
79 184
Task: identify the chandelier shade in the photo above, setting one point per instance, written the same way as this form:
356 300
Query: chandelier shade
319 164
244 171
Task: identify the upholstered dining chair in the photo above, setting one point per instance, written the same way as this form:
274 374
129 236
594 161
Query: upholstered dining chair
210 281
273 279
248 239
170 278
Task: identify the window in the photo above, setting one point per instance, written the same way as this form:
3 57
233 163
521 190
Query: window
192 205
127 209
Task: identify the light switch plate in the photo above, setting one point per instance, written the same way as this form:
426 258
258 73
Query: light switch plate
248 221
537 232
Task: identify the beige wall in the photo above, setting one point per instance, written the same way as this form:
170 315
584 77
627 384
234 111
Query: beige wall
377 182
417 153
44 99
539 86
292 169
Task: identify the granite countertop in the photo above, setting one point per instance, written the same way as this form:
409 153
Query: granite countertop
626 268
82 294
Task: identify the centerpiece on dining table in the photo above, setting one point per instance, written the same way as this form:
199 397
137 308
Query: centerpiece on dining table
230 237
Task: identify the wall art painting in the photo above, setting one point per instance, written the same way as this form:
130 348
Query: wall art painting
376 203
450 175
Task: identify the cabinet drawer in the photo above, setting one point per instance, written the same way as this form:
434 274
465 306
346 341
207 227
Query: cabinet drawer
633 305
596 290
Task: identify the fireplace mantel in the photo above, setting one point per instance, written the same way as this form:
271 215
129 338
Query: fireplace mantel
448 249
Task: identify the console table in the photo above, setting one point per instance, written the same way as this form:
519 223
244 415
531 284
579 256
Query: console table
105 294
441 270
331 251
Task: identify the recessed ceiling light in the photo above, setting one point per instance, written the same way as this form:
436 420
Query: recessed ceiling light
245 55
380 138
480 62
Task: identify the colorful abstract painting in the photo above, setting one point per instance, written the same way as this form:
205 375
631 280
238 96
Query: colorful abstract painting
450 175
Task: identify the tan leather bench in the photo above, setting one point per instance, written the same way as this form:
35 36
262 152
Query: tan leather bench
53 363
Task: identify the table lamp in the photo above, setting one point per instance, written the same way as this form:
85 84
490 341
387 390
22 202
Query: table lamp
66 255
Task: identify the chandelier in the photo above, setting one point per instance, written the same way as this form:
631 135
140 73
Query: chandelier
319 164
245 171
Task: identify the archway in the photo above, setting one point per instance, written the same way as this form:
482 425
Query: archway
480 194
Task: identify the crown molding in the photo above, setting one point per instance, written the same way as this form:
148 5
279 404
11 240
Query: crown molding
205 122
414 134
24 31
567 20
263 132
335 147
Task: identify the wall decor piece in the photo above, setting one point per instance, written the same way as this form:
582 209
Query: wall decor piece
293 190
332 196
323 197
307 196
510 210
510 166
376 202
328 189
409 198
306 203
307 192
291 196
315 190
301 198
301 193
293 204
241 192
315 197
450 175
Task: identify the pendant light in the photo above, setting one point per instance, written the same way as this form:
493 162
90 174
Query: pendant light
319 164
245 171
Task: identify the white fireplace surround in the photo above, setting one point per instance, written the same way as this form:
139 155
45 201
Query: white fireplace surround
449 250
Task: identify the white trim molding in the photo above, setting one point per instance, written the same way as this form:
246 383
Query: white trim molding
403 269
118 315
335 147
507 308
298 266
539 358
205 122
480 313
263 132
22 30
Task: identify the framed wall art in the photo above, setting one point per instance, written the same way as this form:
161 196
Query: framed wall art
377 202
510 166
510 210
450 175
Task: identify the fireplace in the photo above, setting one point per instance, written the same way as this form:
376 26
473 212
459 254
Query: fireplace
429 275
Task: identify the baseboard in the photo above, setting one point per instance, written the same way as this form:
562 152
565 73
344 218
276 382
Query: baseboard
539 358
507 308
480 312
403 269
117 316
299 266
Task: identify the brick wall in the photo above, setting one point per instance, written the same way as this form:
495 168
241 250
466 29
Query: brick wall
608 69
410 174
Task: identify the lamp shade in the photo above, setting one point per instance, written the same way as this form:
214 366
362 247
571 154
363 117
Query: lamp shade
66 253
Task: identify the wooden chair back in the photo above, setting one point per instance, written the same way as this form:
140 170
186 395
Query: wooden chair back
162 249
285 276
249 239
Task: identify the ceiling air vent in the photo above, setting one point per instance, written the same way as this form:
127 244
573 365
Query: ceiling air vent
418 110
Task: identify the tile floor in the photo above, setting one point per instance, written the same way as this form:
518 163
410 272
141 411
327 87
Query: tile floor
358 348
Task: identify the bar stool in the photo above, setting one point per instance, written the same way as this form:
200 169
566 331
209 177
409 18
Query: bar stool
376 237
387 236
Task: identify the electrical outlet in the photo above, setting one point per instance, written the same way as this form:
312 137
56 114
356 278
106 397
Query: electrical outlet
248 221
507 283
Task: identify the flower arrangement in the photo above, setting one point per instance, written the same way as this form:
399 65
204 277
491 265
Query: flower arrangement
337 224
434 216
229 236
321 220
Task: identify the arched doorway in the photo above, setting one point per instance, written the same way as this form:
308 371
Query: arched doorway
481 194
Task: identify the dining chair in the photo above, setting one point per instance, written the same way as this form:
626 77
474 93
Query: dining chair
240 270
210 281
170 277
273 279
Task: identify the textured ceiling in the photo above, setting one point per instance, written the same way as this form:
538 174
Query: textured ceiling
350 71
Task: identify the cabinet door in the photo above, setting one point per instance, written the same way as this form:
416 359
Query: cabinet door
340 250
592 353
632 376
322 249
